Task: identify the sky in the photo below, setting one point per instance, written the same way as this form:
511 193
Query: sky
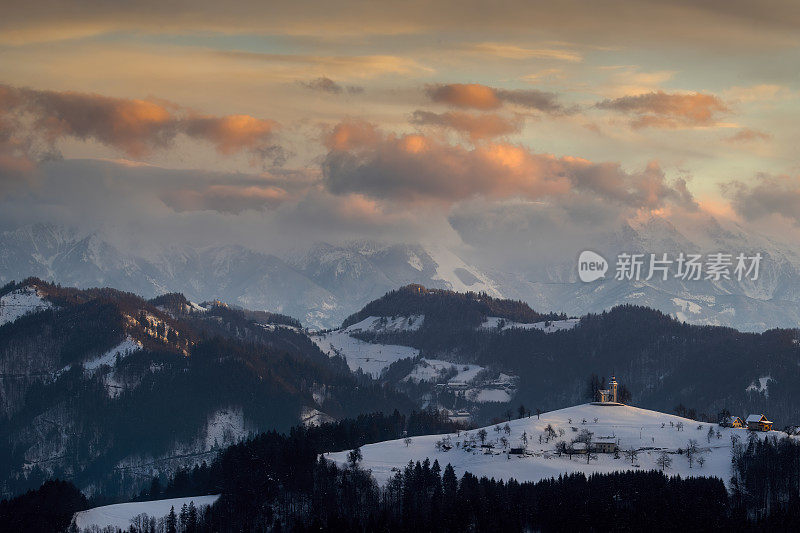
466 123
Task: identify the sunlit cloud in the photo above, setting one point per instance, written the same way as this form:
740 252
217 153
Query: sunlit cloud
135 127
510 51
474 127
668 110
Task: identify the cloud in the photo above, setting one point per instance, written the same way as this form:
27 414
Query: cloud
765 92
747 135
225 198
483 97
327 85
668 110
135 127
352 134
510 51
419 169
474 127
356 66
695 25
769 195
466 95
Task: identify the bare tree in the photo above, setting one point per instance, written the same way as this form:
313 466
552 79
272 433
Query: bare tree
664 461
632 454
482 435
407 440
691 452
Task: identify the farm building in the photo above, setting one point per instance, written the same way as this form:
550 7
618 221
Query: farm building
758 423
731 422
604 445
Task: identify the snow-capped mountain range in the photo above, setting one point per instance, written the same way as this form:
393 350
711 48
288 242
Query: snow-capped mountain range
323 284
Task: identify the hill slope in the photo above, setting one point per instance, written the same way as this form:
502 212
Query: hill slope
648 432
107 389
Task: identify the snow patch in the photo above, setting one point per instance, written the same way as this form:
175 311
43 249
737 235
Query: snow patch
448 267
370 358
314 417
488 395
550 326
761 386
120 515
385 324
124 349
432 369
687 306
21 302
225 427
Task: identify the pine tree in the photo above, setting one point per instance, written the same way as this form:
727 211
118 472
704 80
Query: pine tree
183 517
171 525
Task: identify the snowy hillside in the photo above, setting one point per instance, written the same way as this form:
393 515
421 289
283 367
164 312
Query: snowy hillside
370 358
121 515
464 380
648 432
21 302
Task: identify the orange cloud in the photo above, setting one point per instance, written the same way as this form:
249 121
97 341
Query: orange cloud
352 134
418 169
468 95
232 133
483 97
668 110
746 135
475 127
136 127
225 198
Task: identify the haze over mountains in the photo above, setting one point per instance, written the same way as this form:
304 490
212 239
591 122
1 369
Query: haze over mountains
324 283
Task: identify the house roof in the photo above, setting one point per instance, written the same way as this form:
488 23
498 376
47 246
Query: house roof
757 418
605 440
730 419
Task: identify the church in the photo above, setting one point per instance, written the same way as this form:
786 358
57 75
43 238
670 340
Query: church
608 396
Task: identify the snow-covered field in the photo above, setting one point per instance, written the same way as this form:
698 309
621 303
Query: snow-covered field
21 302
430 369
119 515
649 432
493 323
374 358
370 358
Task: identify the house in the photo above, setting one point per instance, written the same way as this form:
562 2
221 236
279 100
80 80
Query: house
758 423
579 447
517 451
604 445
731 422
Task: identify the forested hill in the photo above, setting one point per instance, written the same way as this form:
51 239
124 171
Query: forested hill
664 363
102 387
443 308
